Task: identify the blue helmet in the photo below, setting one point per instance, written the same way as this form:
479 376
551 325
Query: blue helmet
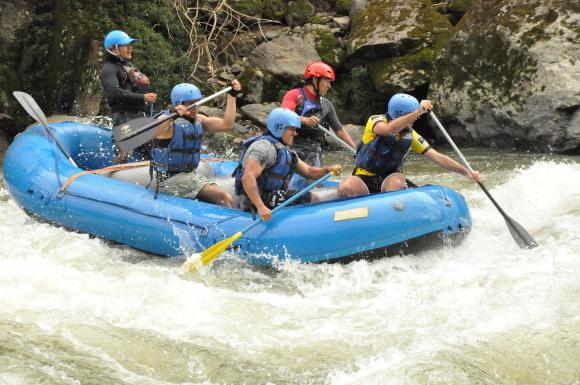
401 104
279 119
184 92
117 38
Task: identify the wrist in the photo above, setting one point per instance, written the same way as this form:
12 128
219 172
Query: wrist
233 92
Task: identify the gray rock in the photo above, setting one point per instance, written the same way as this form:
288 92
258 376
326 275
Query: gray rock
513 78
399 53
258 113
342 22
284 57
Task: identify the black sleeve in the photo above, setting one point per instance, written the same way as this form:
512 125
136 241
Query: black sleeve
329 115
113 90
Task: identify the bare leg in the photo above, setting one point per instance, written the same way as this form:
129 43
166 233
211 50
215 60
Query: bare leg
394 182
352 186
214 194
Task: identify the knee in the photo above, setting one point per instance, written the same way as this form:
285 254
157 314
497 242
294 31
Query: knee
226 199
347 189
342 191
394 184
314 198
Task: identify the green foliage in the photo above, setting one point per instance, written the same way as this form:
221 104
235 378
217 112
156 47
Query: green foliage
31 59
248 7
156 57
273 9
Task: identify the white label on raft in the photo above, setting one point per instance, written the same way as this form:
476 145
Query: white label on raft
361 212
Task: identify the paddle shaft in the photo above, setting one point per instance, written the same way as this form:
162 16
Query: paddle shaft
333 134
291 200
514 227
464 161
175 114
36 113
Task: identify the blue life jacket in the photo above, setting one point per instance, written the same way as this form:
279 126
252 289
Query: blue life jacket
273 178
182 153
384 155
309 108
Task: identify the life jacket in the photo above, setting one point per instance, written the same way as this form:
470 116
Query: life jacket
309 108
273 178
181 153
384 155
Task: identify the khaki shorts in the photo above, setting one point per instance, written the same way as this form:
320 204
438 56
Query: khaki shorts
186 185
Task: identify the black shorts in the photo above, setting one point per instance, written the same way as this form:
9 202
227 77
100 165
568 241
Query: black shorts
276 198
373 183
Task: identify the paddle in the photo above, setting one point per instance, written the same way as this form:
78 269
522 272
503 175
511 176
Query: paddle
138 131
333 134
518 233
212 252
36 113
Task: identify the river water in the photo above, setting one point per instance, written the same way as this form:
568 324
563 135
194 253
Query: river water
76 310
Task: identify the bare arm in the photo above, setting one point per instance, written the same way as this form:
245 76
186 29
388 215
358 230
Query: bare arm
449 164
396 125
215 124
343 134
312 172
252 170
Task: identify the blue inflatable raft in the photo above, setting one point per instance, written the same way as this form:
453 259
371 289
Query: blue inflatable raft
120 207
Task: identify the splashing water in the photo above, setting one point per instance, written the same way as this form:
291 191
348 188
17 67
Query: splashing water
74 309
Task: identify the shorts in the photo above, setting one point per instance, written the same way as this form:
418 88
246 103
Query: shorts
373 183
186 184
276 198
273 199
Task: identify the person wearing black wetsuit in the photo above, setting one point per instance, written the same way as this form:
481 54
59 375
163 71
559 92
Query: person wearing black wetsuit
126 89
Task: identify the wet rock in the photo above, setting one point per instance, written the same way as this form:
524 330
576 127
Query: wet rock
258 113
284 57
298 12
342 22
511 75
401 53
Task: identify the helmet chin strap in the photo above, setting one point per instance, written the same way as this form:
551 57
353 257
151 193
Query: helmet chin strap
317 87
116 48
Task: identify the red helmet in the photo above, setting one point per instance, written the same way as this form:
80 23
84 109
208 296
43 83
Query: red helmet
318 69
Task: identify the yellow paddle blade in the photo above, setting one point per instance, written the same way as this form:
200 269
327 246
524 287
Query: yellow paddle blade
212 252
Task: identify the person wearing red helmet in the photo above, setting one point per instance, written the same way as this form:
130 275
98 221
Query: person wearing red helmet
313 108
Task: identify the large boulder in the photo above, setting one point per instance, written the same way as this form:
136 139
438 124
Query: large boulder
276 66
511 75
284 57
399 40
